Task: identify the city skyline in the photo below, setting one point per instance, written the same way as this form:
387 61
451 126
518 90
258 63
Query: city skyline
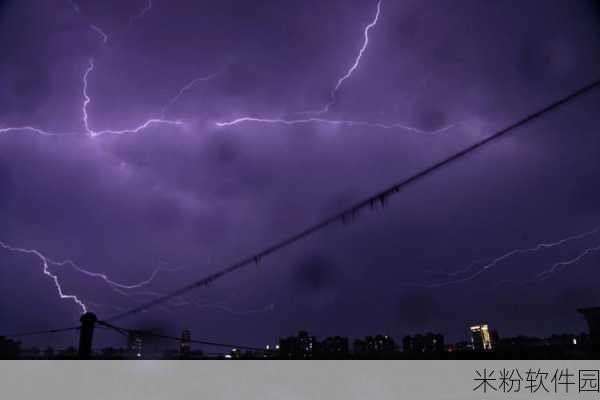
484 342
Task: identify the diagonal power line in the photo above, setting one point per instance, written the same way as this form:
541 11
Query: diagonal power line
351 212
206 343
36 333
126 332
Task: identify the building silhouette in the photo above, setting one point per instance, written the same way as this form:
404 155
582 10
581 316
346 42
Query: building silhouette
301 346
428 343
379 346
9 349
185 347
592 316
334 347
135 343
460 347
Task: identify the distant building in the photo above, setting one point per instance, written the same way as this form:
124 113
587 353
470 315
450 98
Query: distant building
185 347
564 340
379 346
9 349
301 346
135 343
428 343
483 338
334 347
111 353
519 342
70 353
459 347
31 353
49 353
592 316
236 354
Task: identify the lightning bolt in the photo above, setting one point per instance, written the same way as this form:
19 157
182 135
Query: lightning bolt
333 99
557 267
87 100
85 117
95 28
75 6
117 286
460 271
100 32
512 253
34 130
142 13
106 279
282 121
187 87
563 264
353 67
47 272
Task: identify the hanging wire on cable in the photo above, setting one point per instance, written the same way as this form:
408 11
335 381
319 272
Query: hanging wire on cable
352 212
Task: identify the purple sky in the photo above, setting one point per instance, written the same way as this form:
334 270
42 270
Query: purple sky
195 197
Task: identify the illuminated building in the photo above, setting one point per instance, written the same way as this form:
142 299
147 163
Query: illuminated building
482 338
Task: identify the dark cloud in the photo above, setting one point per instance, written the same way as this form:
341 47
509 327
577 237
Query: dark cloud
417 310
315 273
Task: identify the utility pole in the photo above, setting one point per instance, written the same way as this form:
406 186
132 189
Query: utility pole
86 333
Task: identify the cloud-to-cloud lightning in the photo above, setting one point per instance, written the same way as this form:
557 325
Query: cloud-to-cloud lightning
47 262
93 27
142 13
461 271
106 279
563 264
89 131
46 271
542 246
333 99
555 268
32 129
87 100
85 117
75 6
242 120
100 32
187 87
